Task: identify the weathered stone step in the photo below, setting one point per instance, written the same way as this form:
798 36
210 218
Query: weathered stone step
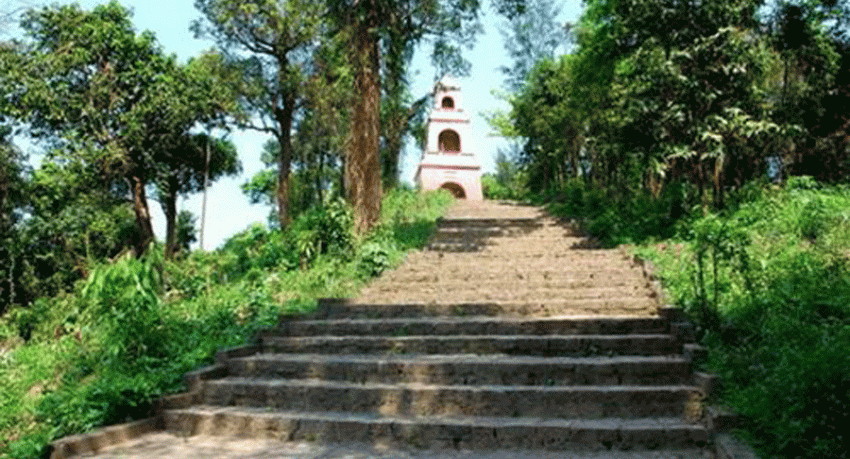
473 326
416 399
505 268
498 247
554 234
551 345
472 293
497 281
468 369
449 222
636 301
437 432
536 253
609 307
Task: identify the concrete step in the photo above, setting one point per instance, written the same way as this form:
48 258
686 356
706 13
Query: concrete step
493 281
450 222
437 431
416 399
614 307
509 271
474 326
545 346
565 260
536 253
472 293
467 369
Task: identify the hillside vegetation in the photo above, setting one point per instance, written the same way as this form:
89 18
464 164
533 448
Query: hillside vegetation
767 280
127 333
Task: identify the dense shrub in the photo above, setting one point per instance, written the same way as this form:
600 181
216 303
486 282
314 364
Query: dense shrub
617 218
132 329
769 283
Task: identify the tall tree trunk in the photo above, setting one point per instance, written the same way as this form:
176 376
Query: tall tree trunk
362 165
171 217
284 138
143 214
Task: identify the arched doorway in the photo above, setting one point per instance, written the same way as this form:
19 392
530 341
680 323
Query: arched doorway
448 102
456 190
449 141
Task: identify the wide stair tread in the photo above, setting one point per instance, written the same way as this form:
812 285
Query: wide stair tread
473 432
410 398
468 368
476 325
634 344
441 306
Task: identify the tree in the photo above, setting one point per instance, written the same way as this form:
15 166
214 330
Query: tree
109 97
546 115
270 43
810 92
183 170
99 99
13 188
75 219
531 36
185 232
369 23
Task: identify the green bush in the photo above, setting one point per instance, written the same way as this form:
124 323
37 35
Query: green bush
769 283
132 329
614 217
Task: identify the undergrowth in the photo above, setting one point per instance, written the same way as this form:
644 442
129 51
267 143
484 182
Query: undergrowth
129 331
767 281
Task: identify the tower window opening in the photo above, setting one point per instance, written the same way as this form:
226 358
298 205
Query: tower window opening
448 102
449 141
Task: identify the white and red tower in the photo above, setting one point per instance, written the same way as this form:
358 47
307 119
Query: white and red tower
449 160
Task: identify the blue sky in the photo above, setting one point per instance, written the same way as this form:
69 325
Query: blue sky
228 210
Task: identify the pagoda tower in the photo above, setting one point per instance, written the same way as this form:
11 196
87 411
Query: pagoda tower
448 160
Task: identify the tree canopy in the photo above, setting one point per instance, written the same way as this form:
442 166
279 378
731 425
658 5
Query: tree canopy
710 94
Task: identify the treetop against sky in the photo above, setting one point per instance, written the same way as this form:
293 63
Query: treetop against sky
228 209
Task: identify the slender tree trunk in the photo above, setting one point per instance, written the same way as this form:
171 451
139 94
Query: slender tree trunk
143 214
171 217
718 179
362 165
284 138
320 172
392 154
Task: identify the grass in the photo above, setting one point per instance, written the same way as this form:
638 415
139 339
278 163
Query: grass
130 331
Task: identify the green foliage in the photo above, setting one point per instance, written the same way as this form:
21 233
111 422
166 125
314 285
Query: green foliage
133 327
268 57
112 100
74 219
529 37
507 183
122 302
186 233
769 283
614 219
12 191
325 230
657 94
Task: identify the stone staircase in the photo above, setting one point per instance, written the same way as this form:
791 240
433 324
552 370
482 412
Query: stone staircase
509 332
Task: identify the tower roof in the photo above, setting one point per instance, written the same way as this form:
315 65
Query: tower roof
447 83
